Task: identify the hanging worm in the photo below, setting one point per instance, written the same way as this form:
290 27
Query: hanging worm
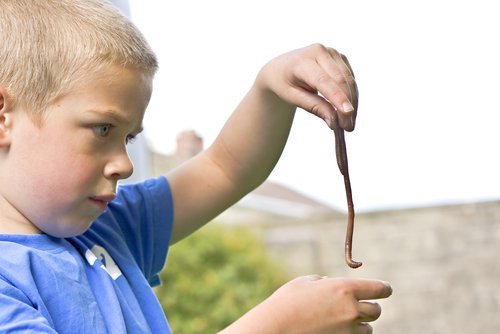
341 153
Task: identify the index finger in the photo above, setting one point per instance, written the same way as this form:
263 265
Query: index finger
340 71
365 289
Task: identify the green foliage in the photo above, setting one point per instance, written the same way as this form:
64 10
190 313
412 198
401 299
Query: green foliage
215 276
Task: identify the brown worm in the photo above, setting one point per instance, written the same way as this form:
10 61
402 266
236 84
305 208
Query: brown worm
341 153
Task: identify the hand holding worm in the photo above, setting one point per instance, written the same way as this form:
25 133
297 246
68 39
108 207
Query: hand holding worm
320 80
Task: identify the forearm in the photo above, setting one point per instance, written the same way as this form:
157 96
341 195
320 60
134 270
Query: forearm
253 138
260 320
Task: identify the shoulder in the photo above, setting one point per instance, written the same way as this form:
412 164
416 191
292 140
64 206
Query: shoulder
137 204
156 190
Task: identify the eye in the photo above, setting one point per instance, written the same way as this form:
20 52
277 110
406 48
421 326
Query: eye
130 139
102 130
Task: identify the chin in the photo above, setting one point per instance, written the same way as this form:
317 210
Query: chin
66 231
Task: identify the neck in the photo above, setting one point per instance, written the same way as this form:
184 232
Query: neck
13 222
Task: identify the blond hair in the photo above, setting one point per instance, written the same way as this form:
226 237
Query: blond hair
47 45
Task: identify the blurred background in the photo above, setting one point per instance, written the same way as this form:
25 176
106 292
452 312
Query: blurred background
422 158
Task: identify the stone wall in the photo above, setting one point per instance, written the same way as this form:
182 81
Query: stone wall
441 261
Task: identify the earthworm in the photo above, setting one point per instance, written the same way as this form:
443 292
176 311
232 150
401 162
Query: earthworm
341 153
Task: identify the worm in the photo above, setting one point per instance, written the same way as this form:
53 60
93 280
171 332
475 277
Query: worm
341 154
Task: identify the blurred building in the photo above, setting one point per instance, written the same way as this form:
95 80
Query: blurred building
188 144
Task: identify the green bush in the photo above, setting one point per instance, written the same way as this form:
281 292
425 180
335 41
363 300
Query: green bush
215 276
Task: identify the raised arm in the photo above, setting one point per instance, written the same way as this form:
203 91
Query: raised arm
316 78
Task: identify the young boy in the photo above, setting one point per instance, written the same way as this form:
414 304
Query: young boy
77 256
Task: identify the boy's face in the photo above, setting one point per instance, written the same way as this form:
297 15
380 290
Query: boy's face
58 177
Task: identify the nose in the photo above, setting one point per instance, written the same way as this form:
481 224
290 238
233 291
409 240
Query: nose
119 166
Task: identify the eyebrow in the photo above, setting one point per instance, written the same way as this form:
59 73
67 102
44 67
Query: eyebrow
115 116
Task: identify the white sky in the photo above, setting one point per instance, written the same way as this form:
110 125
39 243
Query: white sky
428 74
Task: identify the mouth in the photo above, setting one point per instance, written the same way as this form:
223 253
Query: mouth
102 201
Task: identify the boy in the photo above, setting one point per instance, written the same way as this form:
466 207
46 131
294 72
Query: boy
77 256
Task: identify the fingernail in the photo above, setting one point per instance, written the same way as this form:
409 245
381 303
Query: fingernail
347 107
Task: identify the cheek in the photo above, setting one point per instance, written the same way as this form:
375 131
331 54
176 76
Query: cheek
63 156
56 173
66 175
56 194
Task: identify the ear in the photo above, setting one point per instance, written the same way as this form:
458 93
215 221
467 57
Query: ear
5 118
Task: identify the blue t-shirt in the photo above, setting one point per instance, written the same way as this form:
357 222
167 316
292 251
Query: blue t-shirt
99 282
